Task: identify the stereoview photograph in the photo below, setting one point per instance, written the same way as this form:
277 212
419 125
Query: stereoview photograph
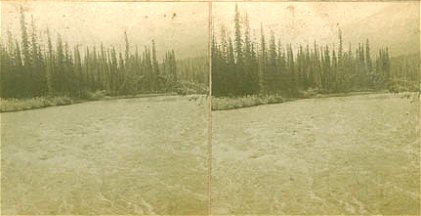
210 108
135 138
336 131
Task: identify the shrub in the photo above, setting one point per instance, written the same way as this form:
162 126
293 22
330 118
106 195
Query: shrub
226 103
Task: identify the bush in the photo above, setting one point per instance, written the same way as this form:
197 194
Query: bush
98 94
189 88
397 86
226 103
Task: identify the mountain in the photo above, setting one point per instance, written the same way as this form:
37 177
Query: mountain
396 26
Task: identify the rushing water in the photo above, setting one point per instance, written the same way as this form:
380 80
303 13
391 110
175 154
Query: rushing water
132 156
349 155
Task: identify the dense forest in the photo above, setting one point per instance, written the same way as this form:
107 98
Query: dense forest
35 65
242 66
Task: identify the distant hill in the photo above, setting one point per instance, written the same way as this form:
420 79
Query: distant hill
396 26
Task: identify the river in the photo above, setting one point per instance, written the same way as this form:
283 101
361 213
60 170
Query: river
340 155
129 156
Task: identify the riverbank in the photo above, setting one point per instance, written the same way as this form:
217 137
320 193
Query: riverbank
14 105
228 103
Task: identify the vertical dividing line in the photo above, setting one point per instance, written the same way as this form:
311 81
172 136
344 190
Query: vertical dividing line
210 112
419 104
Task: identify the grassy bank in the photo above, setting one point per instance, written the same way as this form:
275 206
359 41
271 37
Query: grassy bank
10 105
227 103
13 105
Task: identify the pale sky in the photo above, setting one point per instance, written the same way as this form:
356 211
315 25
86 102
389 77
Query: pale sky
179 25
184 25
298 22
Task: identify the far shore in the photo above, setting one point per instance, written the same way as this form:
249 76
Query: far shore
218 103
15 105
230 103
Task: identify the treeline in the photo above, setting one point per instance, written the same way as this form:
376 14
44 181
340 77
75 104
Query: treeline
242 66
31 67
195 69
405 72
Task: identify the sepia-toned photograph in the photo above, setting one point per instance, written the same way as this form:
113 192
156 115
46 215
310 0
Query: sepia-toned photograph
134 136
210 107
336 131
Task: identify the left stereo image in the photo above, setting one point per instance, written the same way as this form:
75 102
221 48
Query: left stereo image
104 108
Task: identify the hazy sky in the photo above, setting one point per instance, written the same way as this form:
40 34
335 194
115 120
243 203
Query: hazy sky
298 22
184 25
179 25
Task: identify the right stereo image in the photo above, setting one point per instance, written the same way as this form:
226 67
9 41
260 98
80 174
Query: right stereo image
315 108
